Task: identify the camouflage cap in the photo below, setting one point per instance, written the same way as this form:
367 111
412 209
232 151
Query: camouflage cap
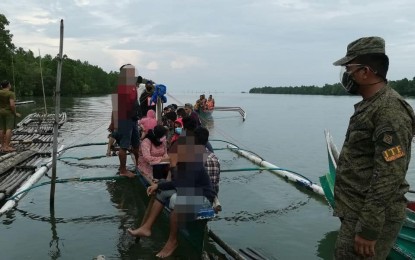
362 46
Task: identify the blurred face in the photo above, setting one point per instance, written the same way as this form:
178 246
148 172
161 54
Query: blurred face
149 87
187 151
9 86
169 123
187 110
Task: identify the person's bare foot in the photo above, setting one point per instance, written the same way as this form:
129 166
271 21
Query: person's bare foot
127 174
167 250
139 232
8 149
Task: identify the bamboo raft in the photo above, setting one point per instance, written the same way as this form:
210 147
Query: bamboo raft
33 140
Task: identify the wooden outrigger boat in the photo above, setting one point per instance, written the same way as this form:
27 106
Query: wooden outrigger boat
19 170
404 247
36 135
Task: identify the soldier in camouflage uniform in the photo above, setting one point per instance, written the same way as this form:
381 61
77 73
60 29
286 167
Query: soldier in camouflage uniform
370 178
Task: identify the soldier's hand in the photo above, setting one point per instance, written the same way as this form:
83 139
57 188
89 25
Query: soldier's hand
363 247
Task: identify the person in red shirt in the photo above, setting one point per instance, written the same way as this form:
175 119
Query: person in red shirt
124 120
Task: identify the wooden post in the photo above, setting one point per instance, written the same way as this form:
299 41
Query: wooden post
56 122
14 82
158 111
41 78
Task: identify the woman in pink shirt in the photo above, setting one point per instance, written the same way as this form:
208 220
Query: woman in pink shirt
153 150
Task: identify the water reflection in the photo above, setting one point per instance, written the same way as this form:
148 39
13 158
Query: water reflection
127 196
207 121
54 251
260 217
10 217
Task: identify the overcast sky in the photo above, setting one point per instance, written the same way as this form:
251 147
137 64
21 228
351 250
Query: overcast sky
229 45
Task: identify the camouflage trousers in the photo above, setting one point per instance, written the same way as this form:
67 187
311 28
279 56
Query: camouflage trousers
344 248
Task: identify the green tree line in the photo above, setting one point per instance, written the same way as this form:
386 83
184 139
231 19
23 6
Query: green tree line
404 87
24 70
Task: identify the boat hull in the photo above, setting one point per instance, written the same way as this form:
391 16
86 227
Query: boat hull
205 113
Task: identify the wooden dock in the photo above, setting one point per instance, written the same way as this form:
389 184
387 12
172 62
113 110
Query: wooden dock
33 140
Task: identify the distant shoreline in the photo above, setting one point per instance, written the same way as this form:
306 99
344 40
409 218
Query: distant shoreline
404 87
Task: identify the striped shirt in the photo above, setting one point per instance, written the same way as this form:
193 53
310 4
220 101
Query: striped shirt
212 167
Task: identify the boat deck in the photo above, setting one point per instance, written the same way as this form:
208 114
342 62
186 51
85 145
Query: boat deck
33 140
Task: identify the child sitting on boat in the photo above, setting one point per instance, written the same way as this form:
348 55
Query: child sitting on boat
189 191
178 127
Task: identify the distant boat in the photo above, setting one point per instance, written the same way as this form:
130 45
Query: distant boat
18 102
205 113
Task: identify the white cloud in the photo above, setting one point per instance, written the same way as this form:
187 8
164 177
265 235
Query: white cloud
185 62
152 65
82 2
243 43
36 17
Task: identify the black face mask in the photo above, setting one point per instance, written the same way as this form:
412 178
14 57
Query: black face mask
349 84
347 81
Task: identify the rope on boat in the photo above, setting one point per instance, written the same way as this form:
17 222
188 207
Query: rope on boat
215 140
75 179
266 169
82 145
212 140
285 173
84 158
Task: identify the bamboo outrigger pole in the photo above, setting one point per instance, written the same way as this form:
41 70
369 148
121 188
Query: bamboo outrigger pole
43 86
14 82
55 124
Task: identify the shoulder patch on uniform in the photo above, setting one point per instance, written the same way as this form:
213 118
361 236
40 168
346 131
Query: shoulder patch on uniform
393 153
387 138
383 130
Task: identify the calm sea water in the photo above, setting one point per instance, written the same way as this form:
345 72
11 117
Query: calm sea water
260 210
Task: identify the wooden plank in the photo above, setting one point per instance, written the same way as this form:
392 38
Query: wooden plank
17 159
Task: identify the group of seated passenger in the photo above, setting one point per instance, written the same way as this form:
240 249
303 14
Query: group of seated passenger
194 179
203 104
181 144
158 140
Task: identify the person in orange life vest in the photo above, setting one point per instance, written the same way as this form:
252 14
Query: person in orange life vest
210 103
